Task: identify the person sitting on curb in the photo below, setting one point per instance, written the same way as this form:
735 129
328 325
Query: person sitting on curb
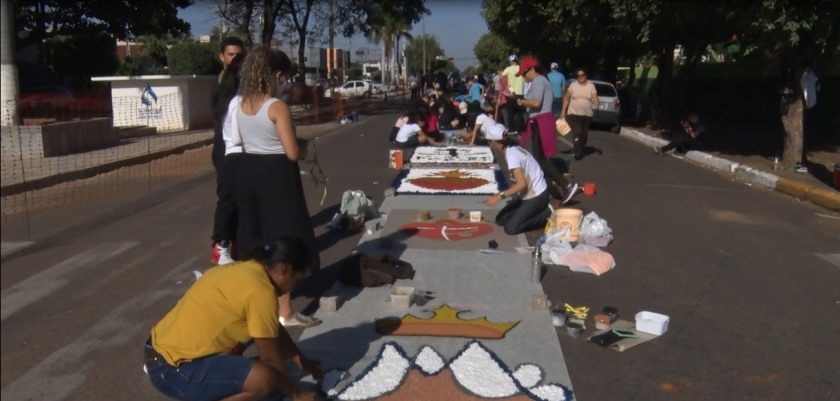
195 351
686 139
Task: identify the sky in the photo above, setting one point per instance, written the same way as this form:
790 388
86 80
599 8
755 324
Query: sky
457 25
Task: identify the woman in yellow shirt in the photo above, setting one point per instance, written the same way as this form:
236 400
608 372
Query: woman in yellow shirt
194 352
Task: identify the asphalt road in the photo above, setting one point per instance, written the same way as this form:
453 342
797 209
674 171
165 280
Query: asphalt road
749 278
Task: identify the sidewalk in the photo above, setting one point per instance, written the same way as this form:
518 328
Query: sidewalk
755 170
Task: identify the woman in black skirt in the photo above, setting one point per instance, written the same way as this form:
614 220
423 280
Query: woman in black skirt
269 192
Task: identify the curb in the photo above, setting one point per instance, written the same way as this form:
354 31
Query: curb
797 189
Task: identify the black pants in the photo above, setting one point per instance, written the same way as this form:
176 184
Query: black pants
515 114
580 132
535 146
271 203
519 215
225 218
682 142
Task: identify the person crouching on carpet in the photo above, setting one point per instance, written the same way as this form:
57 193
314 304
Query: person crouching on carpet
529 205
194 352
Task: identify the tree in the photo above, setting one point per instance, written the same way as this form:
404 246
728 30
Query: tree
800 35
492 51
8 83
414 52
79 56
42 19
388 36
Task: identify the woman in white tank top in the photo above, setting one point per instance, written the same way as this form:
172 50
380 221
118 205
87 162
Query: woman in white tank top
269 192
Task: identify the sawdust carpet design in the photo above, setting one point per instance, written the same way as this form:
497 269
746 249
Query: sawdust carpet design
474 374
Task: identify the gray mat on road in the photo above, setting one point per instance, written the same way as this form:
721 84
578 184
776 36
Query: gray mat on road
496 286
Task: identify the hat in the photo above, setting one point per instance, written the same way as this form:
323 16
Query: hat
462 107
527 63
555 66
512 57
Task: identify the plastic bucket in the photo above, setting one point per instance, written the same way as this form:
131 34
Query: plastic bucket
570 218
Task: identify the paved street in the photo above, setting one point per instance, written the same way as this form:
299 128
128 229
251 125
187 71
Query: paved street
749 277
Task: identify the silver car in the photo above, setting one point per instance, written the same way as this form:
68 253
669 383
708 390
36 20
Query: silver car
609 110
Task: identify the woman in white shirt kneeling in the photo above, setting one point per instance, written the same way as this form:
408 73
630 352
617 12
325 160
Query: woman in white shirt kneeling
529 205
411 134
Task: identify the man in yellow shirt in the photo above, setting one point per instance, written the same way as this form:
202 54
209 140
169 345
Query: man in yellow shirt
515 120
194 352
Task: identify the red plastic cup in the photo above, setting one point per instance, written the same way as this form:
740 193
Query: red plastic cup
589 188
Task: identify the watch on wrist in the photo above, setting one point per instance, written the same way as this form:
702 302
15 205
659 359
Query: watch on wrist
502 195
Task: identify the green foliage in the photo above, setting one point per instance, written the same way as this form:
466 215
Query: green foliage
43 19
492 51
369 16
194 58
414 52
80 55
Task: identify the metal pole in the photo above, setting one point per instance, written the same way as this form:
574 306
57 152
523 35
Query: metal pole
424 45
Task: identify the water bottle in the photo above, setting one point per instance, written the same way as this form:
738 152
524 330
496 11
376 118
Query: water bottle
536 265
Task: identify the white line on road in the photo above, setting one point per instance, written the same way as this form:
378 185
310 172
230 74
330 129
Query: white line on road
833 258
828 216
59 374
48 281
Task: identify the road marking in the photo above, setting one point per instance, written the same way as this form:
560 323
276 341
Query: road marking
63 371
833 258
48 281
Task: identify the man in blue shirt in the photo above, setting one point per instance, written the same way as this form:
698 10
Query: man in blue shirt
558 83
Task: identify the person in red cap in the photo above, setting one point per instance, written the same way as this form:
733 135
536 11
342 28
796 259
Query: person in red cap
539 130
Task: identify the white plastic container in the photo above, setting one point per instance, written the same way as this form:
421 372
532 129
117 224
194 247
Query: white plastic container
401 297
652 323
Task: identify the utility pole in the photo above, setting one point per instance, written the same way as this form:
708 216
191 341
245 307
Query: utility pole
424 45
331 34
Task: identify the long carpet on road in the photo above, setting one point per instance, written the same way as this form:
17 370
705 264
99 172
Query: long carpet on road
495 286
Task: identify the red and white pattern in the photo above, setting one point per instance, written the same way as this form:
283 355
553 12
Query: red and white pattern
452 155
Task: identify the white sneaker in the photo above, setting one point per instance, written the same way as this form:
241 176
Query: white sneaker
300 320
221 253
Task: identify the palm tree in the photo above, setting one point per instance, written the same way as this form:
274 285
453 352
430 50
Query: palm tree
388 35
9 84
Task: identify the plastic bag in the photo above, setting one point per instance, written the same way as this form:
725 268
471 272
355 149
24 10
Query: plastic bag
594 226
556 245
587 259
355 203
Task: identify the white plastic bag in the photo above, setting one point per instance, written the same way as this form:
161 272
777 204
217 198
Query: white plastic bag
556 245
594 226
355 203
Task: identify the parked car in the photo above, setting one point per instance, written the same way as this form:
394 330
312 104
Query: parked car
609 110
350 89
376 87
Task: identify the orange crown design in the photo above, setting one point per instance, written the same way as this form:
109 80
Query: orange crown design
445 322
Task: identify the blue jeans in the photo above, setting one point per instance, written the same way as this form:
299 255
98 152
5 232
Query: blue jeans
556 105
204 379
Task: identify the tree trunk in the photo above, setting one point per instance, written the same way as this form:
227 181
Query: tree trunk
245 24
269 23
792 123
302 55
8 68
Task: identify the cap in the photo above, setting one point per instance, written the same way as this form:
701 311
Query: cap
555 66
526 64
462 107
512 57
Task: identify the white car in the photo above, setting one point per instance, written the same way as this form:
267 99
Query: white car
609 110
351 89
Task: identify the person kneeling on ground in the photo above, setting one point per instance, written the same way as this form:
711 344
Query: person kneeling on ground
687 138
411 133
528 211
194 352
